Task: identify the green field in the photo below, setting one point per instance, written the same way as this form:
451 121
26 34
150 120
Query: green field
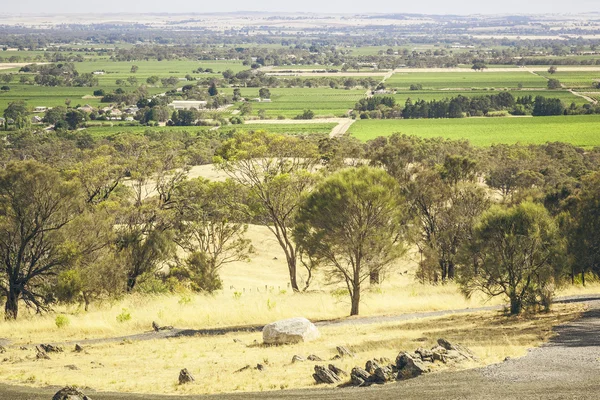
292 129
574 79
466 80
163 69
299 128
291 102
580 130
565 96
107 130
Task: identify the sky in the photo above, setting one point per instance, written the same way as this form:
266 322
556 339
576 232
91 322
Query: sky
315 6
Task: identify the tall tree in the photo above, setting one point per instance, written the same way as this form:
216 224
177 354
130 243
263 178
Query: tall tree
210 231
275 169
514 252
353 222
36 204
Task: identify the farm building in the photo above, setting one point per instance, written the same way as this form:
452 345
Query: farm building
187 104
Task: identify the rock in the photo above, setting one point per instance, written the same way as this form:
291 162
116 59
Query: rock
384 374
409 367
424 354
293 330
78 348
41 354
371 366
48 348
70 393
325 375
72 367
297 358
2 349
158 328
260 367
185 377
456 352
360 377
336 370
23 348
312 357
445 344
336 357
439 354
343 351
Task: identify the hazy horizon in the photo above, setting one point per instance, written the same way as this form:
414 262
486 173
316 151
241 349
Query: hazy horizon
430 7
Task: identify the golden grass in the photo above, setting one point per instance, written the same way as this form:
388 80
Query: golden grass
153 366
253 305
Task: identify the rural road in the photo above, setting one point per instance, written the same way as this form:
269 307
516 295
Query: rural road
568 367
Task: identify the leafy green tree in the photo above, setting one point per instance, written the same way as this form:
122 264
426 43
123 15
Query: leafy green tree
515 252
152 80
75 118
552 70
264 93
134 69
36 205
209 230
352 222
55 114
582 228
275 171
554 84
18 112
212 89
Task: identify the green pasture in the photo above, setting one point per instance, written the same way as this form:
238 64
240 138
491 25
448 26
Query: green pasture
291 102
580 130
290 129
466 80
574 79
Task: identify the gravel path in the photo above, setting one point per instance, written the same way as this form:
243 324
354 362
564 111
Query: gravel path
567 367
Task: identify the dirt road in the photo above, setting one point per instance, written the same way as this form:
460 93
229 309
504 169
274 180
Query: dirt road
568 367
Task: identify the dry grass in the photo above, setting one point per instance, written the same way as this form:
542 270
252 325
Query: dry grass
153 366
252 305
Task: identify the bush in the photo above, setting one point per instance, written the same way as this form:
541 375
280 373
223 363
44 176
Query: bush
5 88
307 114
69 285
124 316
61 321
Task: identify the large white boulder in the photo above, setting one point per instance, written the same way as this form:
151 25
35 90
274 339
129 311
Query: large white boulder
292 330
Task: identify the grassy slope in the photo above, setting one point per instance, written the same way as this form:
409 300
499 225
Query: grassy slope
582 130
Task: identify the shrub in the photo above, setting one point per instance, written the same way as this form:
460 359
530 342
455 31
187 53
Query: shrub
124 316
61 321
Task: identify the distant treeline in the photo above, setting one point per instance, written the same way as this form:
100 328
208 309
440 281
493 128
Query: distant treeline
386 107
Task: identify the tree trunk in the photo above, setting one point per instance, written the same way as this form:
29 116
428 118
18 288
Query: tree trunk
444 270
583 277
451 270
11 308
374 278
292 268
355 300
131 281
515 305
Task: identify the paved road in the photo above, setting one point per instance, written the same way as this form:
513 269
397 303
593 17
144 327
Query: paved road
568 367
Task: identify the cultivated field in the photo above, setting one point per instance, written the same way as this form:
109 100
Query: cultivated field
292 102
466 80
580 130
